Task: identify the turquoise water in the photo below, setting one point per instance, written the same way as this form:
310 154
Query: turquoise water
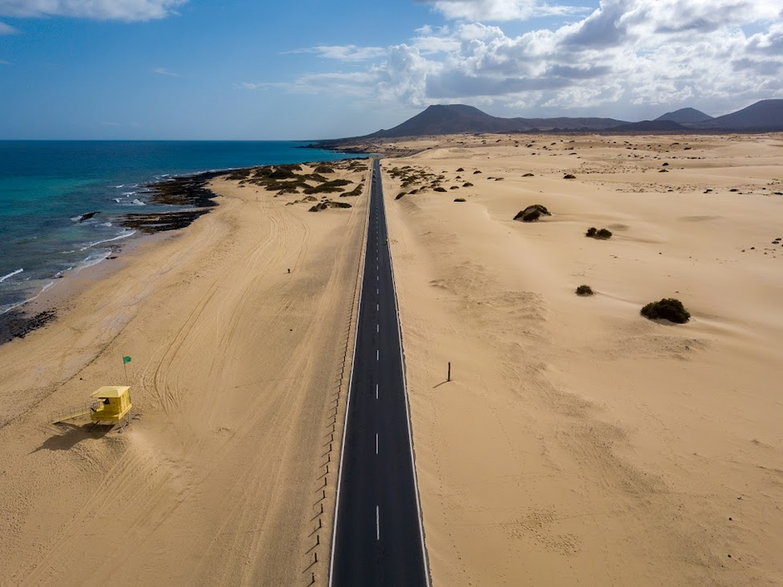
46 185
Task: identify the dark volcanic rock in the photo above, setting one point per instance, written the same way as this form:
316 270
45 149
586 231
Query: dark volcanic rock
86 216
189 191
185 191
532 213
151 223
18 324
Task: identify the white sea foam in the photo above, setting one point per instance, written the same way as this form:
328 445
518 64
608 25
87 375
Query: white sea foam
125 234
138 202
10 307
16 272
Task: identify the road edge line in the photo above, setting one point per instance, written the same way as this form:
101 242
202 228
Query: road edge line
362 267
425 558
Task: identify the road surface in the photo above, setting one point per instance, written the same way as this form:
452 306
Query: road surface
378 535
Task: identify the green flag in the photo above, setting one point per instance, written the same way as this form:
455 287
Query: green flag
126 359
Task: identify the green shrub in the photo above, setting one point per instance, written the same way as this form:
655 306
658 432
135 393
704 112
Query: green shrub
584 290
668 309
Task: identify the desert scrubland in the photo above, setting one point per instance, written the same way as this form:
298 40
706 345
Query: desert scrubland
578 442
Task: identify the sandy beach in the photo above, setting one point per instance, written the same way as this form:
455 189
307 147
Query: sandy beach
578 442
237 364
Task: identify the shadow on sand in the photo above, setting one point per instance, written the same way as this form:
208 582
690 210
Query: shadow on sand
72 434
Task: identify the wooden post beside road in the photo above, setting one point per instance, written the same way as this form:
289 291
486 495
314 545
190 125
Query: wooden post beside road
448 376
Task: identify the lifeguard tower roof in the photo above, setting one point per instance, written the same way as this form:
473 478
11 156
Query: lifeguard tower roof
110 391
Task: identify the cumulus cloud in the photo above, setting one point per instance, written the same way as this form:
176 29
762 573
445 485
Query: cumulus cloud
644 52
499 10
127 10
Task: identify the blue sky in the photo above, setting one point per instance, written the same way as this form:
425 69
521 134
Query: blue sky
242 69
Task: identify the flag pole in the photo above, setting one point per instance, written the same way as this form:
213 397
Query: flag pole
125 360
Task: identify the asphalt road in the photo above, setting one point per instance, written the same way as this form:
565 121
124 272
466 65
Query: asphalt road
378 535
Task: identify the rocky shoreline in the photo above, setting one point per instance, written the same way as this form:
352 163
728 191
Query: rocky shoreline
187 191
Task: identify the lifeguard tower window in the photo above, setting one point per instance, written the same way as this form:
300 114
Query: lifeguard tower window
106 401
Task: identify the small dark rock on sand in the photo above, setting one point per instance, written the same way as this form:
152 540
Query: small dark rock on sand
532 213
569 176
459 199
584 290
527 175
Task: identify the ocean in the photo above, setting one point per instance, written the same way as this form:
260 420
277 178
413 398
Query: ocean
46 187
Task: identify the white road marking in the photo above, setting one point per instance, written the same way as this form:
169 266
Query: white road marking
377 307
376 391
377 354
376 443
377 328
377 522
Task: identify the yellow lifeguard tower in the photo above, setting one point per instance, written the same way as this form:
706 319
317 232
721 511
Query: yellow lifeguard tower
115 404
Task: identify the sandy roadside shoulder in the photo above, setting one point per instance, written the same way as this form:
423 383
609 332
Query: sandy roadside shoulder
236 366
578 442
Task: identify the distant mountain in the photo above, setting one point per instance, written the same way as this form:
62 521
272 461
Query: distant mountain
650 125
766 115
447 119
685 116
459 118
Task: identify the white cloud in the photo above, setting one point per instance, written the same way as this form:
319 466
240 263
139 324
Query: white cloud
7 29
351 84
127 10
166 72
344 52
499 10
626 52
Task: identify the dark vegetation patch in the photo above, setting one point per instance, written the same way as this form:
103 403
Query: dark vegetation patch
357 191
439 189
324 169
584 290
601 234
569 176
669 309
532 213
324 204
334 186
527 175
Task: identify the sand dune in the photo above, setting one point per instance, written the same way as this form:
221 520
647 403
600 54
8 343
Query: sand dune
235 367
578 441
